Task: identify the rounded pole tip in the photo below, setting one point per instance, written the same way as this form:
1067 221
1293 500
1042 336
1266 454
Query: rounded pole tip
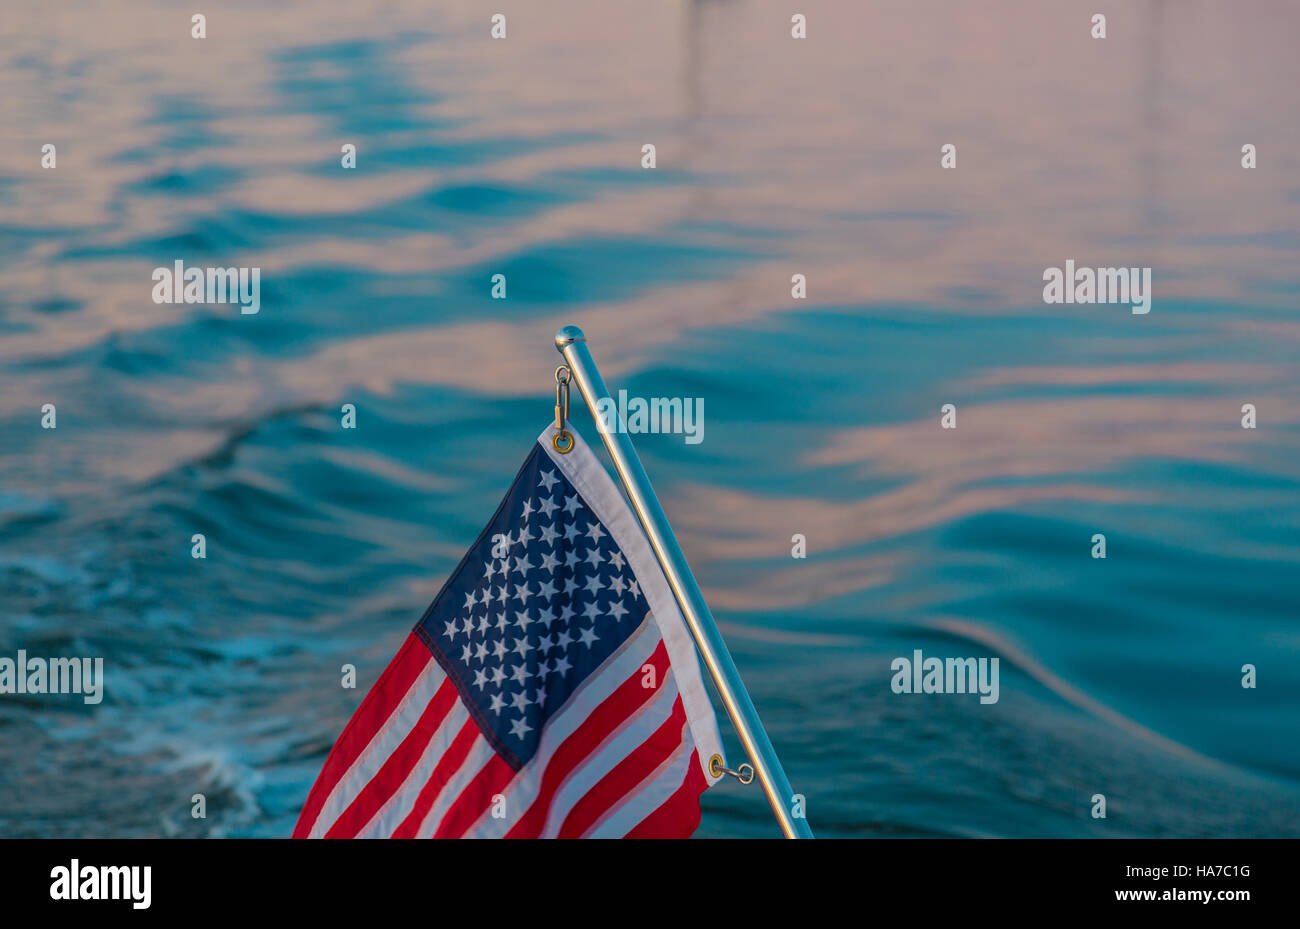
567 334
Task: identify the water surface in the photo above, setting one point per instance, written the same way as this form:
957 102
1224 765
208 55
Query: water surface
775 157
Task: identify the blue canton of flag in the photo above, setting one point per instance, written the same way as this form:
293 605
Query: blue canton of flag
538 603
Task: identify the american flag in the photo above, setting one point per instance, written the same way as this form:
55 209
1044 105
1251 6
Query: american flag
550 690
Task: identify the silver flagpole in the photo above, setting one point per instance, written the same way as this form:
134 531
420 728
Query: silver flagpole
572 344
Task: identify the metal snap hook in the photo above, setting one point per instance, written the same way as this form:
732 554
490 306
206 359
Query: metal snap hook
745 774
562 441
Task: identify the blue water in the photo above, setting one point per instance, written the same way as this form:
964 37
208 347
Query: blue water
1119 677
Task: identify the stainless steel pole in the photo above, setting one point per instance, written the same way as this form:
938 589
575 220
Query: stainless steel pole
572 344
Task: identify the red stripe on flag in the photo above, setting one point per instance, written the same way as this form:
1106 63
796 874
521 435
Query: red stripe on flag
396 767
599 724
447 766
626 775
679 815
374 711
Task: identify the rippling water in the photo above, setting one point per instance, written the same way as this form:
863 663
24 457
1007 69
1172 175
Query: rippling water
521 157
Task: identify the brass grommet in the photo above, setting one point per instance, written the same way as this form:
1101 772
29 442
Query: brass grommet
562 442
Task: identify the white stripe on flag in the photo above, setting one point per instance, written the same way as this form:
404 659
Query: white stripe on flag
480 753
647 796
622 743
